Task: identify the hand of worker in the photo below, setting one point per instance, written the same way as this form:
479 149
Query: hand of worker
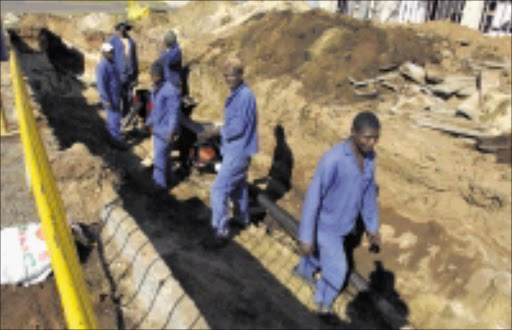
305 249
173 137
374 238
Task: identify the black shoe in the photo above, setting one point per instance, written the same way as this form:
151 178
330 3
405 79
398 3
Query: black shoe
120 145
216 242
238 223
327 315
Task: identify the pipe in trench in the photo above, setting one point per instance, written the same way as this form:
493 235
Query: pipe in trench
357 283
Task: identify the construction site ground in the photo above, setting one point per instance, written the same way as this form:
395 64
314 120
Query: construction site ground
445 260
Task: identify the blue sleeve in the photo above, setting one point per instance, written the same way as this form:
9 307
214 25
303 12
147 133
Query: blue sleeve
116 87
322 181
102 84
370 211
173 104
237 121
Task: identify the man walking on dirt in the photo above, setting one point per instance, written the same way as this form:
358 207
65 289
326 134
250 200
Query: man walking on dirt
126 62
342 188
109 88
164 121
239 141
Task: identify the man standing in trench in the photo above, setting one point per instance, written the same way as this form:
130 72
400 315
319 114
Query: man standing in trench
108 88
239 141
164 121
342 188
126 62
171 59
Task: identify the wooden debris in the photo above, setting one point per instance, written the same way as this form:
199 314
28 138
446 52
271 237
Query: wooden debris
450 124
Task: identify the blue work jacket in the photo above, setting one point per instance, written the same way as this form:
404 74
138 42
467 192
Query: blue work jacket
108 83
239 133
129 71
165 116
171 60
338 193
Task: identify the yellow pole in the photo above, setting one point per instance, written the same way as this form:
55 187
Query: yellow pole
67 270
3 121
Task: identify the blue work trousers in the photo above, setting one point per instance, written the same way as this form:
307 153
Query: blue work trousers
332 261
114 124
231 182
162 169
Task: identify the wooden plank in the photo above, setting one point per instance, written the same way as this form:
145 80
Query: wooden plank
451 125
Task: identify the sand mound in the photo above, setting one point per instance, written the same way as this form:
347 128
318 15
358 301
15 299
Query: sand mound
321 50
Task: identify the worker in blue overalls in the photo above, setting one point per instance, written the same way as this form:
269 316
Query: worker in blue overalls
239 141
108 86
164 122
171 59
126 61
342 188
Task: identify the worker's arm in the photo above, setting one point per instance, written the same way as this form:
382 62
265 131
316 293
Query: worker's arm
102 86
237 120
173 104
370 211
322 181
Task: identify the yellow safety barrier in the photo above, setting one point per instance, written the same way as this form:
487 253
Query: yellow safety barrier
135 11
75 299
3 121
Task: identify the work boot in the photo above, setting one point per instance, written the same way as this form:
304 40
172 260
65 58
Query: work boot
327 315
239 222
118 144
309 281
216 242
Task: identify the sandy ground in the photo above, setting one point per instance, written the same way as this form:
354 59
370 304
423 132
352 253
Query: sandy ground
445 207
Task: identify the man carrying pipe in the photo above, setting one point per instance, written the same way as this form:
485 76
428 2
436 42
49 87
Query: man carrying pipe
109 88
342 188
239 141
126 62
164 122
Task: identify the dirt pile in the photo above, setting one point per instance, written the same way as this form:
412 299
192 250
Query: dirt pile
445 206
80 174
321 50
433 187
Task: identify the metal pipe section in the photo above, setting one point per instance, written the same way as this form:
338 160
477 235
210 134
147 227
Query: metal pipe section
357 283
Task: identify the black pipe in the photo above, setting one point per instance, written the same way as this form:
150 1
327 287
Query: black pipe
357 283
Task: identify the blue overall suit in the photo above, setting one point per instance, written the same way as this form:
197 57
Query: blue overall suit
128 70
338 193
239 141
164 120
108 85
171 61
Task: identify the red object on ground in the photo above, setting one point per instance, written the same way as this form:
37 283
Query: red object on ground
206 155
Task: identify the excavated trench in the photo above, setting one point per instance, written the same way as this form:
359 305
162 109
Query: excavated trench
246 285
444 258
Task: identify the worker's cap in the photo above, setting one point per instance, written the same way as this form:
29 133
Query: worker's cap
106 47
157 68
125 23
170 38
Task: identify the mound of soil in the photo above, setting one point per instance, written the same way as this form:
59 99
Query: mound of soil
322 50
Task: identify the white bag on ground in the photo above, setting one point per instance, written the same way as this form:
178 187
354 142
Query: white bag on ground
24 256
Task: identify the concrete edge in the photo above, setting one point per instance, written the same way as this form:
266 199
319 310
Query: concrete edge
150 293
